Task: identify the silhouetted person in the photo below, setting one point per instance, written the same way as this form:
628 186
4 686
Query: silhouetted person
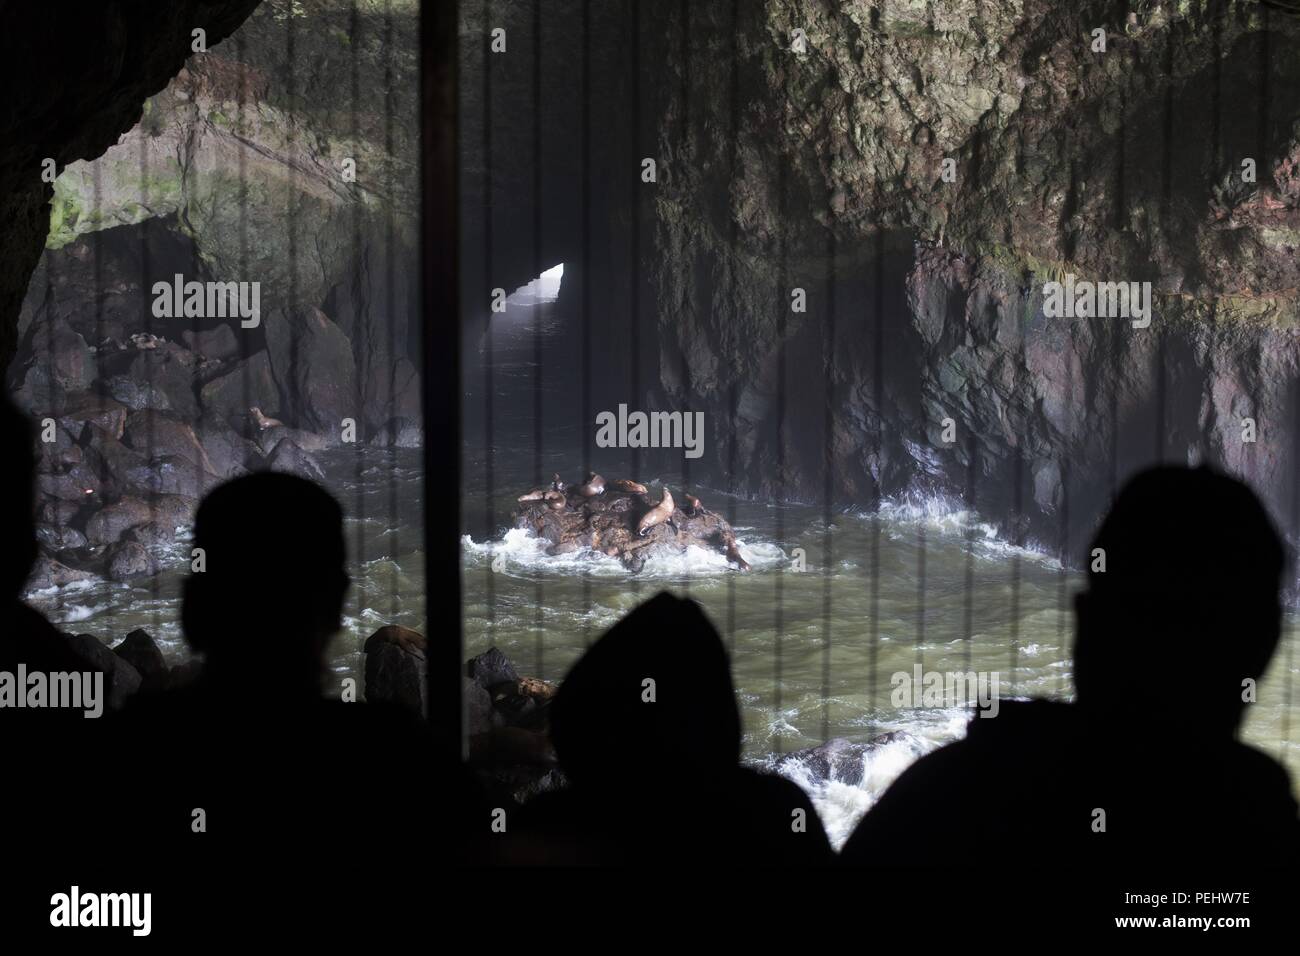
647 730
1145 766
320 787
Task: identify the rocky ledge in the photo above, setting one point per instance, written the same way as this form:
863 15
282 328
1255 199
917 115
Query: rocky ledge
619 519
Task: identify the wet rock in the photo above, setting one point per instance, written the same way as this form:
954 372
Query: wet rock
478 708
55 512
160 378
840 760
130 559
229 453
167 475
49 573
83 409
396 668
61 363
109 523
140 651
155 433
288 457
491 668
59 537
248 383
311 360
76 484
121 679
268 438
219 343
58 455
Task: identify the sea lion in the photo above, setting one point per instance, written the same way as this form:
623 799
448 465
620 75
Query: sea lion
733 556
595 486
660 514
537 494
262 421
556 484
627 486
733 552
693 506
555 500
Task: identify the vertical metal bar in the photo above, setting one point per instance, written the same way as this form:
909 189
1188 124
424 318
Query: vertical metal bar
363 333
489 357
778 581
390 242
733 392
539 319
828 482
586 287
440 378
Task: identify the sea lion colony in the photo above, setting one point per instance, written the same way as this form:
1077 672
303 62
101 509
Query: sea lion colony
619 518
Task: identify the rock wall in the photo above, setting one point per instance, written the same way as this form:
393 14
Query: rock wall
69 94
823 170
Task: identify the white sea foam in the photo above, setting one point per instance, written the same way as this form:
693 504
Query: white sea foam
840 803
947 517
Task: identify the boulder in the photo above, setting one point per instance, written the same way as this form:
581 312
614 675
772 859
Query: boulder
155 433
77 484
311 360
288 457
54 537
83 409
48 573
167 475
249 383
396 668
130 559
121 679
160 378
491 669
268 438
58 455
220 342
140 651
166 512
229 453
478 708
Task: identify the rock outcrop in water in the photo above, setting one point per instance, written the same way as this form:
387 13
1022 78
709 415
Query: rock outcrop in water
608 523
507 716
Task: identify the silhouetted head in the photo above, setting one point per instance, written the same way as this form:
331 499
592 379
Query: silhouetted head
17 486
1188 605
652 700
271 592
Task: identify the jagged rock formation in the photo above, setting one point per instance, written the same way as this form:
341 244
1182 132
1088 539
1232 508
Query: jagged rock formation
240 170
69 95
925 297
